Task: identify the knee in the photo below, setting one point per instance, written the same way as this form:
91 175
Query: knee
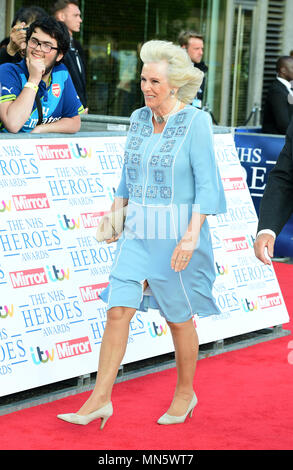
175 326
182 326
116 314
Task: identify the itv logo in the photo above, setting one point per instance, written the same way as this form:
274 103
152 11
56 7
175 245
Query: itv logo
80 152
6 311
5 206
41 357
68 224
249 305
157 330
57 274
221 269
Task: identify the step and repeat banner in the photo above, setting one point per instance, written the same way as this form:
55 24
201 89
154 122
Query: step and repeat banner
53 192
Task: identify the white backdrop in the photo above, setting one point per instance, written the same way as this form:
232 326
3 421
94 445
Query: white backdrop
52 193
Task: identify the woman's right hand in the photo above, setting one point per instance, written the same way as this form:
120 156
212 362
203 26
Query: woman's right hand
113 239
118 203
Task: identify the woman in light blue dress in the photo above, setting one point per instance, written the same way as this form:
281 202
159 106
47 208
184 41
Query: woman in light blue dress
170 183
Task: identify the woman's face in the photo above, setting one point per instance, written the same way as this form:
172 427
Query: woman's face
155 86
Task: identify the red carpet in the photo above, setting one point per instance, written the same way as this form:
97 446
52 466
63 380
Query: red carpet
245 403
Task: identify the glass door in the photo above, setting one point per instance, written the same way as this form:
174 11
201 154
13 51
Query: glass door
240 71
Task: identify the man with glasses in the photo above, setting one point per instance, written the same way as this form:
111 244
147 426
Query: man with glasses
37 94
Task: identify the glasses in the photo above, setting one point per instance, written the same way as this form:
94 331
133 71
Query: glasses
45 47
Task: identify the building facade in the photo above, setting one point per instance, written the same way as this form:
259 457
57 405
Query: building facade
243 39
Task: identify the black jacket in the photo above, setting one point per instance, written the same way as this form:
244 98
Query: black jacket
204 68
7 58
276 205
75 62
277 110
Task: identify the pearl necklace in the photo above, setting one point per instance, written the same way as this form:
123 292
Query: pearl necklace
164 118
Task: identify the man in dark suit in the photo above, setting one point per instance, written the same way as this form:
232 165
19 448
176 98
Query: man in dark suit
68 12
277 202
193 42
278 110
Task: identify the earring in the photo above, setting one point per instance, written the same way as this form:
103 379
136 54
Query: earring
172 93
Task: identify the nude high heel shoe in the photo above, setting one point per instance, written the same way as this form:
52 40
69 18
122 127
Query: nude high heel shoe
168 419
104 413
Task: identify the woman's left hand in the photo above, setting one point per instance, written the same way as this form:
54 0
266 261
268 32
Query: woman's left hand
181 257
185 248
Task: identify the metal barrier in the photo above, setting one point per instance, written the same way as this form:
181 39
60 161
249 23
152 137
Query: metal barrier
96 122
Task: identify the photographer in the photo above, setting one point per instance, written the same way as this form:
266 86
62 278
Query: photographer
14 51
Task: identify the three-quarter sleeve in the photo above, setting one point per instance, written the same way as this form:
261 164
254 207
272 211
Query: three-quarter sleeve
209 192
122 190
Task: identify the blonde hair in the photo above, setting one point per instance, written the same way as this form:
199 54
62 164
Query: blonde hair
180 73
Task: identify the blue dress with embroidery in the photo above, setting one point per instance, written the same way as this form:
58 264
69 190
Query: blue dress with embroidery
165 178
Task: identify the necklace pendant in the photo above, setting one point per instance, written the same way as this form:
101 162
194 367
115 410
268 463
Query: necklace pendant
159 119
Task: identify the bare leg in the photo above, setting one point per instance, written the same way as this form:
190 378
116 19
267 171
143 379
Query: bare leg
185 341
112 351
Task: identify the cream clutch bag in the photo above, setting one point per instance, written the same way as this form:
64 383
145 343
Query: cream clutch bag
111 224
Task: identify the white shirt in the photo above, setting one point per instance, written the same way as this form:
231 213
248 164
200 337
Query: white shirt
286 83
288 86
268 231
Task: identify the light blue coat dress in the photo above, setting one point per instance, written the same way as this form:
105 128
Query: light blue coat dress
165 177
